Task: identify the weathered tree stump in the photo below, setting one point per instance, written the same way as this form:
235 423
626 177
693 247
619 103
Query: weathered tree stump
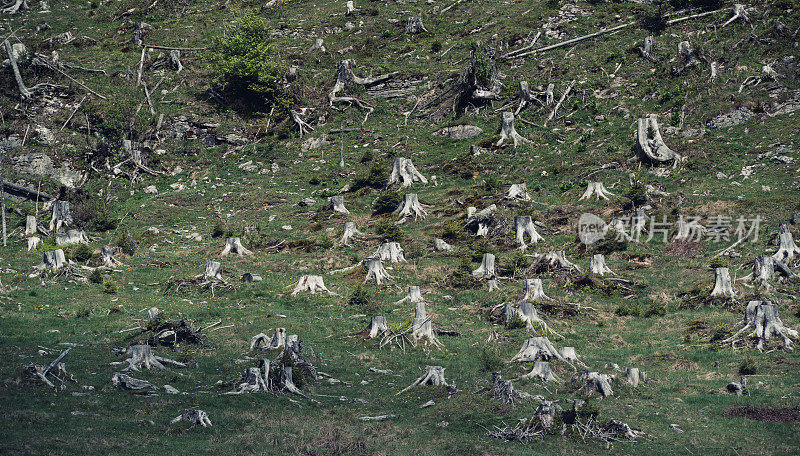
433 375
414 25
31 227
524 225
404 171
723 285
595 382
62 217
233 245
193 416
54 259
410 206
765 268
390 251
350 233
311 284
319 45
414 295
762 317
126 382
253 381
555 260
375 270
212 272
598 265
787 249
537 349
569 355
336 203
142 357
542 371
487 268
503 390
646 50
14 7
72 237
738 12
650 144
596 189
377 326
478 223
33 242
421 326
107 256
441 246
518 192
634 376
534 291
508 132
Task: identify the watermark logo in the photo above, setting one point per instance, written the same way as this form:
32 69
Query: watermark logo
591 228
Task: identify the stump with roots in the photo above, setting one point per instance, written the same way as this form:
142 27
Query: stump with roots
336 204
650 144
524 225
549 95
414 295
72 237
33 242
253 380
441 246
634 376
142 357
350 233
526 98
193 416
414 25
595 382
738 12
433 375
422 328
410 207
537 349
508 132
540 370
503 390
54 259
14 7
31 227
312 284
475 87
62 216
762 318
556 261
350 8
487 269
107 256
787 249
527 313
764 269
479 222
690 230
233 245
126 382
404 171
375 270
596 189
534 291
518 192
298 116
345 77
377 327
391 252
492 285
212 272
598 265
569 355
646 50
723 285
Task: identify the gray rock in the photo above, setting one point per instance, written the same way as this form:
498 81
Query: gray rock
306 202
460 132
736 117
314 143
40 163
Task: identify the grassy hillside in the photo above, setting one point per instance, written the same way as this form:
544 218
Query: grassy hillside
209 186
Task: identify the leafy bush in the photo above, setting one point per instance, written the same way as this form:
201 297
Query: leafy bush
747 367
362 300
461 277
653 18
126 243
246 65
96 276
109 286
719 262
637 194
610 244
490 360
389 231
387 202
376 176
640 308
82 253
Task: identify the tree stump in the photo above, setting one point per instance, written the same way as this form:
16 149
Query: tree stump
62 217
537 349
441 246
508 132
723 285
487 269
787 249
421 326
193 416
569 355
650 144
404 171
377 326
212 272
596 189
319 45
598 265
142 357
72 237
126 382
762 317
518 192
350 233
30 225
555 260
253 381
54 259
311 284
33 242
414 25
433 375
414 295
633 375
534 291
595 382
764 269
233 245
503 390
107 256
390 251
542 371
410 206
375 270
336 203
524 225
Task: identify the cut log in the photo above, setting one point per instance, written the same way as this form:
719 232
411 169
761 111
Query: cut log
54 259
414 295
403 170
441 246
142 357
391 252
336 203
524 225
126 382
723 285
377 326
650 144
233 245
596 189
414 25
598 265
433 375
537 349
27 193
62 217
508 132
410 206
534 291
787 249
762 318
193 416
311 284
487 268
542 371
350 233
375 270
72 237
421 326
518 192
33 242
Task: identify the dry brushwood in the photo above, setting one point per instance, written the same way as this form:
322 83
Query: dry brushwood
598 265
723 285
503 390
534 291
375 270
410 206
126 382
518 192
72 237
487 268
508 132
194 417
349 234
787 249
377 327
414 295
404 171
345 77
414 25
433 375
422 328
41 371
391 252
524 225
25 93
650 144
595 382
537 349
554 261
336 204
542 371
762 317
441 246
233 245
311 284
596 189
142 357
764 269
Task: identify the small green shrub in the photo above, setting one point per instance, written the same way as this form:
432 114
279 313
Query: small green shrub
387 202
490 360
126 243
82 253
109 286
721 332
515 322
719 262
610 244
389 231
376 176
361 299
96 276
461 277
748 366
637 194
